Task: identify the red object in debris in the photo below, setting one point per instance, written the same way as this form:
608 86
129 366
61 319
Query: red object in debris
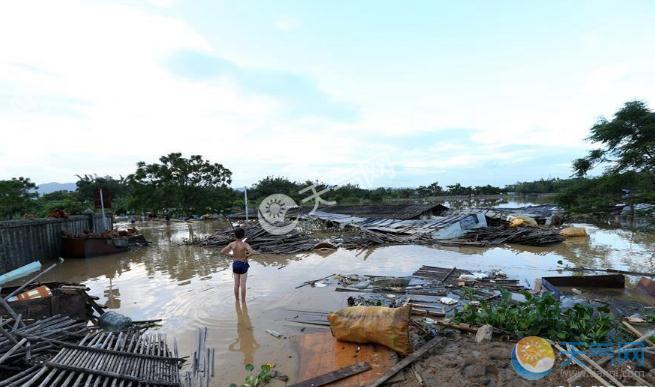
647 285
40 292
58 214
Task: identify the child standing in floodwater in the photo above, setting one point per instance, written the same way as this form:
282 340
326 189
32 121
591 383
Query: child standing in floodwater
240 251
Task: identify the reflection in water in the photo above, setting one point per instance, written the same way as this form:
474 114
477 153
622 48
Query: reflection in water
113 296
245 340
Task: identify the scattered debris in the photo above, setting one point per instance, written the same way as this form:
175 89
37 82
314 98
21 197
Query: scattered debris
407 361
496 235
69 299
647 286
573 232
334 376
112 321
609 281
88 244
273 333
448 301
20 272
484 333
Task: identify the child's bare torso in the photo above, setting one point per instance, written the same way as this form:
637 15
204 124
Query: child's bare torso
240 250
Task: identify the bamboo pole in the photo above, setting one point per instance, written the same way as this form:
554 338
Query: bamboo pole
582 365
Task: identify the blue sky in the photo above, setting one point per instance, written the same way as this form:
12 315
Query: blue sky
368 92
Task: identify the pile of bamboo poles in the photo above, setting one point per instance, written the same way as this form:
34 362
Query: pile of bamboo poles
23 345
264 242
106 358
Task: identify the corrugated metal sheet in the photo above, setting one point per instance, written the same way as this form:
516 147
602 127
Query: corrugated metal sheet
464 221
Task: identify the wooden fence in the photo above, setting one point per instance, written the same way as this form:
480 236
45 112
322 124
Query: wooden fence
24 241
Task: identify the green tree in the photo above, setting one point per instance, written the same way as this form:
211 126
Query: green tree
433 189
458 189
487 190
627 142
66 201
16 197
119 189
276 185
185 185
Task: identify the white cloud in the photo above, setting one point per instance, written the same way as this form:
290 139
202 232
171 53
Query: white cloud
84 88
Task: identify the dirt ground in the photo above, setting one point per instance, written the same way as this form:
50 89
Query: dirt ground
463 362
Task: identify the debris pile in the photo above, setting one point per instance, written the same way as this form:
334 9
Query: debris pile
22 345
364 238
41 300
105 358
262 241
431 291
492 236
39 347
132 235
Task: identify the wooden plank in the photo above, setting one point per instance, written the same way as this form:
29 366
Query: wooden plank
320 353
407 361
636 332
334 376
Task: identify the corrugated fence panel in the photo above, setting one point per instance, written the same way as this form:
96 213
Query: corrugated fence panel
24 241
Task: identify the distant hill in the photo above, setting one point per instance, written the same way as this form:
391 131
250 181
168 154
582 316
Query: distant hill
52 187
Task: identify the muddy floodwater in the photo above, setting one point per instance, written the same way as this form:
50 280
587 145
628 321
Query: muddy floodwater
190 286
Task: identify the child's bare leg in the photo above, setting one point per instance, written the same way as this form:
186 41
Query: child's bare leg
237 281
244 277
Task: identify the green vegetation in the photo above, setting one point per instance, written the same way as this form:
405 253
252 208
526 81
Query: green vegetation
627 150
627 142
541 316
182 185
261 378
542 186
16 197
179 185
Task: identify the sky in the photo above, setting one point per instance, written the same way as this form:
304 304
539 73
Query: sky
375 93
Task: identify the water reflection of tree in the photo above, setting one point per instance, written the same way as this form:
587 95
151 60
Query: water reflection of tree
640 257
185 262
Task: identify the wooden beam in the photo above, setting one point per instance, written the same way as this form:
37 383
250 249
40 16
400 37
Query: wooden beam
407 361
581 364
636 332
334 376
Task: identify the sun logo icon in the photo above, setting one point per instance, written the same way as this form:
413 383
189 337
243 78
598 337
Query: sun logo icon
533 358
272 212
275 208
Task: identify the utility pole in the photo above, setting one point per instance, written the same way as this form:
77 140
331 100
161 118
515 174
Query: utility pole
245 199
102 207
